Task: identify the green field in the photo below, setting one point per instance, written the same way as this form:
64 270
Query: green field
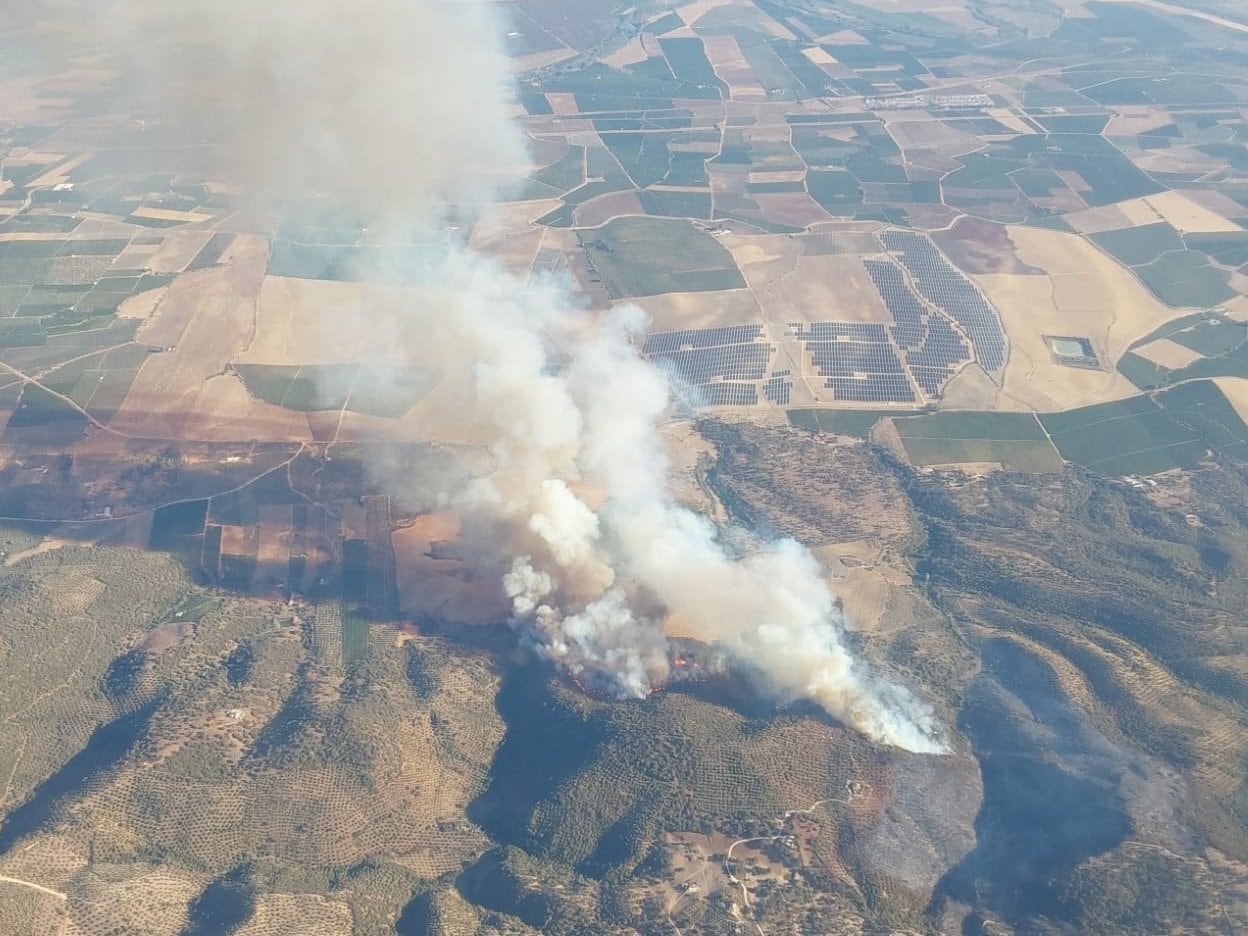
355 387
1000 427
1015 454
354 637
1184 278
1224 344
1136 245
1173 428
651 256
1212 337
856 423
1015 440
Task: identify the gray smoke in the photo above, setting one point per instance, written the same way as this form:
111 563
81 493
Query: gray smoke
396 107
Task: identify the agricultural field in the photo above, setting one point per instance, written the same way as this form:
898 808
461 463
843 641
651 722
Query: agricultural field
952 294
1016 441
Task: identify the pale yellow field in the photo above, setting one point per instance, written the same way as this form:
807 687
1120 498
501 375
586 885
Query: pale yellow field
508 234
1237 309
1131 121
1008 119
1235 389
845 37
762 258
446 587
224 411
1085 293
1168 353
1140 211
1187 215
819 56
170 214
690 13
142 305
776 175
820 289
1096 220
59 175
176 250
676 311
1085 278
631 53
730 64
206 319
286 326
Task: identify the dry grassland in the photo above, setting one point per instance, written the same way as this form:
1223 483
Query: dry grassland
971 388
762 258
289 317
678 311
1221 205
1189 216
1168 353
819 56
1235 389
820 289
686 449
563 103
631 53
1237 309
1084 293
142 305
1132 121
1097 220
730 65
776 175
793 208
1177 158
170 214
507 232
445 587
59 174
692 12
600 210
225 412
206 318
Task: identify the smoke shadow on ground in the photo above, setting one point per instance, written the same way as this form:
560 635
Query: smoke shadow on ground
105 748
547 742
1037 821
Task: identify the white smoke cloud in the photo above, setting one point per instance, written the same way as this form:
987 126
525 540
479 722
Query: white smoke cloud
393 106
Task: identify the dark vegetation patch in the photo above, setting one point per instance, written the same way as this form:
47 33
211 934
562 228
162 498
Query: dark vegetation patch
651 256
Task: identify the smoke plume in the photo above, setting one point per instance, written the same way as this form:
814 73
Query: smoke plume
396 107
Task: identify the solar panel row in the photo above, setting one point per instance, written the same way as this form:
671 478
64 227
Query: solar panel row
659 342
829 356
883 388
947 289
909 315
734 362
778 390
873 332
729 394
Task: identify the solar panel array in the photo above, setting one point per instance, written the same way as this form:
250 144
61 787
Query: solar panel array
947 289
717 362
779 387
933 349
856 361
660 342
729 394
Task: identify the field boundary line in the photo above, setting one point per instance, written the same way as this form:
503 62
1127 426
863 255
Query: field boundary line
4 879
